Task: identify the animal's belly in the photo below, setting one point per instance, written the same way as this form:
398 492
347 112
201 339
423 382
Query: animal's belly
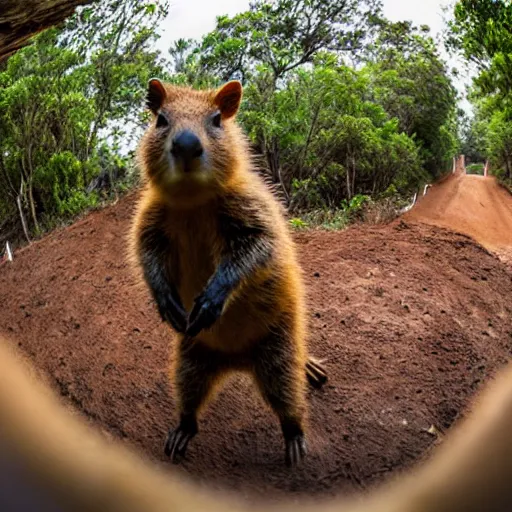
242 324
196 270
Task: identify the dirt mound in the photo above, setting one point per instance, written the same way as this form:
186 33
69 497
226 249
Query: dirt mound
410 318
475 205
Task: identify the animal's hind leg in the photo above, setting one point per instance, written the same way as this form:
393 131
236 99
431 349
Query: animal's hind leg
197 369
279 372
315 372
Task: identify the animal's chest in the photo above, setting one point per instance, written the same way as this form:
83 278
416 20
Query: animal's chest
195 255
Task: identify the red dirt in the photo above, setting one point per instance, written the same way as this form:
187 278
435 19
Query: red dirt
411 319
475 205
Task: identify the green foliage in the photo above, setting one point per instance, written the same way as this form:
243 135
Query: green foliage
340 105
475 169
329 219
68 104
411 82
298 223
331 141
355 204
325 130
283 35
499 141
58 181
482 32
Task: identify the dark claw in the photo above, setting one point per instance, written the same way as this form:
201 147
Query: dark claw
316 374
203 315
172 312
176 444
178 322
295 450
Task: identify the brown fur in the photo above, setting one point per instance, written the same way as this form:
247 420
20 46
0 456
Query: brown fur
262 328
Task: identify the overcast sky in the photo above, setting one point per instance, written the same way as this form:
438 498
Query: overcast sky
194 18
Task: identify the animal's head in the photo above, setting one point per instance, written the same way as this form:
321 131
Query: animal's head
193 144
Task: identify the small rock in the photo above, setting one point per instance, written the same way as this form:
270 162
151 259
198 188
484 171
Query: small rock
434 431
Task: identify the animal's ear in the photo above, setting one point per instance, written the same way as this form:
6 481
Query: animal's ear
156 95
228 98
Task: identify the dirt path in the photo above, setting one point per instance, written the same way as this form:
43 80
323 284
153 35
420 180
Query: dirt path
411 319
475 205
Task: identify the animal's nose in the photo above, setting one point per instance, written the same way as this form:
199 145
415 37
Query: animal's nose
186 145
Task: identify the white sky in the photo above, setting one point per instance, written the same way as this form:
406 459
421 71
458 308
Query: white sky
194 18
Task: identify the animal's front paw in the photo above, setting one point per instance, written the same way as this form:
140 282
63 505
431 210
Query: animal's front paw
207 309
172 312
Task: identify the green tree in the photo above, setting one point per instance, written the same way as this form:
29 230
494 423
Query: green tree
327 131
264 44
332 142
411 82
68 104
482 32
42 113
473 143
499 142
117 37
283 35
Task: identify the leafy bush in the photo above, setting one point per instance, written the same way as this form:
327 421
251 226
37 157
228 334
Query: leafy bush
298 223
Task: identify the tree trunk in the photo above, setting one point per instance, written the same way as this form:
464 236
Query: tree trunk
13 192
349 181
22 216
308 141
21 20
30 188
272 164
33 206
353 175
272 156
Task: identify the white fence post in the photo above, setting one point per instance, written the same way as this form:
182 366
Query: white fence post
8 251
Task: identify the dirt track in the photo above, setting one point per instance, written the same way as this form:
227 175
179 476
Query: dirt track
475 205
411 319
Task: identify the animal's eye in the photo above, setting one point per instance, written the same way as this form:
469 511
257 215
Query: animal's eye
161 120
216 119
